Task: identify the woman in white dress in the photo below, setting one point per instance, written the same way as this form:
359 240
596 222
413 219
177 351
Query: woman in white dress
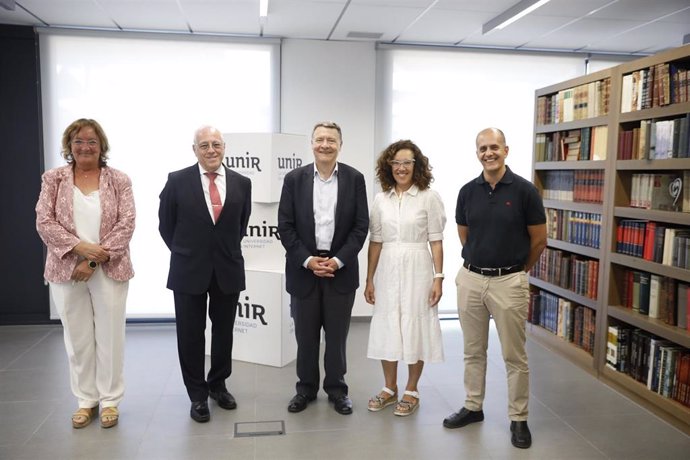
405 273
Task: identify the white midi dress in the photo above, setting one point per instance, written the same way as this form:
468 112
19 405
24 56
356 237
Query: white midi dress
403 326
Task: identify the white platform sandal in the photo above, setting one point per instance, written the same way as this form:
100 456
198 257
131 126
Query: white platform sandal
379 402
405 408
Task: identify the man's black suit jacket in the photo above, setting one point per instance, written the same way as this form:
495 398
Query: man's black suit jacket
197 246
297 229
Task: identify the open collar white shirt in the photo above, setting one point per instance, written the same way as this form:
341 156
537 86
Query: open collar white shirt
325 202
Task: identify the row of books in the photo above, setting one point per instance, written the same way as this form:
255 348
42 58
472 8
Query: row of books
568 320
585 186
574 145
655 140
569 271
655 86
662 366
663 191
656 296
582 228
654 241
584 101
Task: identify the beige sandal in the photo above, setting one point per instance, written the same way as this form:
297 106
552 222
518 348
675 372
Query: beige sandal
405 408
83 416
381 401
109 417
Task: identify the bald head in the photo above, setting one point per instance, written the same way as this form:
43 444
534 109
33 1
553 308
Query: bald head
209 147
205 130
491 153
499 134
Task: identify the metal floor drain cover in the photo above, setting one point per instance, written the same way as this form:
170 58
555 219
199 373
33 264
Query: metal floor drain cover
269 428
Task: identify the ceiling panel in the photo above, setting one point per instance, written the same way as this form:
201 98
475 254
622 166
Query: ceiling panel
624 26
393 3
86 13
648 39
518 33
485 6
681 17
444 26
222 16
589 30
17 17
136 14
570 8
302 18
642 10
390 21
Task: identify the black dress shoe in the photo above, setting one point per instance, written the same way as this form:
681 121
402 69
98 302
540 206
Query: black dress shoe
199 412
299 402
342 404
520 437
462 418
223 398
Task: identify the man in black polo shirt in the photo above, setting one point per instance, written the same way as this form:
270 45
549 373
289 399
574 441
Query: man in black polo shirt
502 228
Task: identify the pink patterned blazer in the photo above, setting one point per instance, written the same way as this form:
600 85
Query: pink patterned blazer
55 222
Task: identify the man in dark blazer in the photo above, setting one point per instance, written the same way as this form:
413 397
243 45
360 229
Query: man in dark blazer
323 221
204 211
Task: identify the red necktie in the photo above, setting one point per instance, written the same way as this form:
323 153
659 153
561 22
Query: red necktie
216 204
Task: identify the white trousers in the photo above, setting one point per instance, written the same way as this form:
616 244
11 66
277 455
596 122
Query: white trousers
93 319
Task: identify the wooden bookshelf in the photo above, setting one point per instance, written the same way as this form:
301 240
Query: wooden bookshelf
673 412
562 347
638 263
671 164
559 165
655 326
622 115
541 169
564 293
656 112
574 206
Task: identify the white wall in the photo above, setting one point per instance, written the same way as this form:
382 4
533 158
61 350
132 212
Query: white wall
327 80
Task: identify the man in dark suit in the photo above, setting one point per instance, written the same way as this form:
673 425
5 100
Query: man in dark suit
323 222
204 211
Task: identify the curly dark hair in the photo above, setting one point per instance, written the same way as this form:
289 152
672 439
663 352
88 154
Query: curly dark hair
421 176
72 131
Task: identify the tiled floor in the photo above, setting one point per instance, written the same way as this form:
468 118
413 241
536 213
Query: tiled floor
572 415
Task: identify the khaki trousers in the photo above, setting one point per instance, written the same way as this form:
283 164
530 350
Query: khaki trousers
93 319
505 298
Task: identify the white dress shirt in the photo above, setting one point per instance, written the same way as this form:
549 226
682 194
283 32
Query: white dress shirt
206 184
325 202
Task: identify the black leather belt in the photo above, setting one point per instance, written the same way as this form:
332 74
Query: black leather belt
493 271
320 253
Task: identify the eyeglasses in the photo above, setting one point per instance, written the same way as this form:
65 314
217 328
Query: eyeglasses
80 143
399 163
205 146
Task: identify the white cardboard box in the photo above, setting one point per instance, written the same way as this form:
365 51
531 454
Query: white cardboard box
266 158
264 331
261 247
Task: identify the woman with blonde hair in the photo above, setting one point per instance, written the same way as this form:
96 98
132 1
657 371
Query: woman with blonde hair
85 216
